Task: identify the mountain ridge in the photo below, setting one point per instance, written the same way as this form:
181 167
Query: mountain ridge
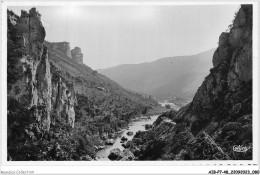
150 76
127 64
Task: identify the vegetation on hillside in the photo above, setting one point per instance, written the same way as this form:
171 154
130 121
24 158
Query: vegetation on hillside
101 107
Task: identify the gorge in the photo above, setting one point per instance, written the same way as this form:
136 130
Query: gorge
61 109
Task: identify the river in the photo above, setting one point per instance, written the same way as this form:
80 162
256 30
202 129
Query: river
134 126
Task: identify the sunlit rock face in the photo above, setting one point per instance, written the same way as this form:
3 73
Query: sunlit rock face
77 55
240 39
64 100
35 88
231 75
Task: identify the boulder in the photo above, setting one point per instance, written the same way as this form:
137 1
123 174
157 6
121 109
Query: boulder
115 154
109 142
127 155
130 133
124 138
99 147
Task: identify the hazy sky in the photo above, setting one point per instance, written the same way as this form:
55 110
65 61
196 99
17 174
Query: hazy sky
113 35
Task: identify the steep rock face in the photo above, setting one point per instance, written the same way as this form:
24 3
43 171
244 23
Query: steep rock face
62 47
38 102
64 99
36 95
77 55
213 122
35 85
232 71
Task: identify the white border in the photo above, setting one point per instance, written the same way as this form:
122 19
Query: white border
152 166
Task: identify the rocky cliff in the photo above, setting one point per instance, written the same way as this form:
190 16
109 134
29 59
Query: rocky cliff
33 87
59 109
220 114
62 47
77 55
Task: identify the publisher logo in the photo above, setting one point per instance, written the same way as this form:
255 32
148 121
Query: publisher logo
240 148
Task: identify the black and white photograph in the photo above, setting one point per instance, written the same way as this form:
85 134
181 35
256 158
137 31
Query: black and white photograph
112 83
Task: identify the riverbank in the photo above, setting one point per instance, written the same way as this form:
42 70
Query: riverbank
134 126
171 105
157 110
104 138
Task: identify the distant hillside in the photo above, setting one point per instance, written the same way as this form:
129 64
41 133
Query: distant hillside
165 78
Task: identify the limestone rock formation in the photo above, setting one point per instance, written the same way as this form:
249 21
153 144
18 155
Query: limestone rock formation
77 55
62 47
37 98
220 114
55 110
37 77
35 86
64 99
